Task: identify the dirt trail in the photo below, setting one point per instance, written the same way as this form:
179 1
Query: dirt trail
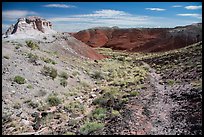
148 113
160 105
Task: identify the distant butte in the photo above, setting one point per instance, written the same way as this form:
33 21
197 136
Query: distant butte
30 25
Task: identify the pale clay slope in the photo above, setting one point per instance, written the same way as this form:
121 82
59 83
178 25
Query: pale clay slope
53 45
18 64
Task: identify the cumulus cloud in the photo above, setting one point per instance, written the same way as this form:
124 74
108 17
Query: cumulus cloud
155 9
59 6
193 7
12 15
199 16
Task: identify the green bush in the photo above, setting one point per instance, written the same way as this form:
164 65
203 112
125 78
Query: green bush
48 60
17 105
64 75
99 113
49 71
17 47
53 73
63 82
32 57
19 80
53 100
89 127
69 133
32 45
133 93
170 82
30 86
97 75
115 113
75 107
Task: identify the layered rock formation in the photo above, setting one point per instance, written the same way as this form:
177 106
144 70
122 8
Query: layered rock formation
144 39
30 25
40 29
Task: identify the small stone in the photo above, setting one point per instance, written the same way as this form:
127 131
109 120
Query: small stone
23 115
25 122
93 95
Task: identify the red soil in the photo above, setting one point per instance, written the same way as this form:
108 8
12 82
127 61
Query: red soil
141 40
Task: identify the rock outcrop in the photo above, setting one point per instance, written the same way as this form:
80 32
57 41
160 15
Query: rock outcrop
40 29
30 25
144 39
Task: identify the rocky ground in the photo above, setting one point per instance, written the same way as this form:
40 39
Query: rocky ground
49 89
172 102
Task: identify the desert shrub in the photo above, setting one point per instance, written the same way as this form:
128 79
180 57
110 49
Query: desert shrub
89 127
69 133
48 60
133 93
17 105
32 45
75 107
30 86
17 47
170 82
33 104
19 80
32 57
115 113
49 71
111 98
53 100
53 73
97 75
99 113
121 58
63 82
64 75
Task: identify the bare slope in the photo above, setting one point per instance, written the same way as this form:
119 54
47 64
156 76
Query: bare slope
118 95
144 40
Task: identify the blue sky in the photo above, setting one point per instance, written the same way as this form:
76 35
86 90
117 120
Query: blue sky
75 16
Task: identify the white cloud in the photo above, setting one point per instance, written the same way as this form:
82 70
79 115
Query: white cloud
66 19
104 17
193 7
155 9
199 16
104 13
12 15
177 6
59 6
110 18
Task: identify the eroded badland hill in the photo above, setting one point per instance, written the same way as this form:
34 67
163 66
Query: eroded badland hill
53 83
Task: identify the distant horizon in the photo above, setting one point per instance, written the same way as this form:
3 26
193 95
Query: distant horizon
76 16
